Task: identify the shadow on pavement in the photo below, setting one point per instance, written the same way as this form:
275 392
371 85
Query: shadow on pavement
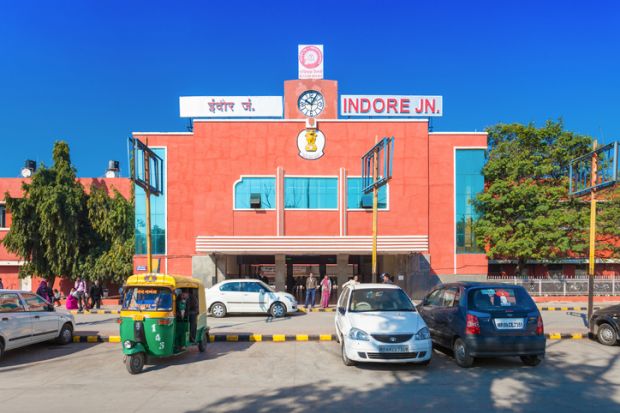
214 351
40 353
558 384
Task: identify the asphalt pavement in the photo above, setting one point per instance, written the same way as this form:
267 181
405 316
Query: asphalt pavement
576 376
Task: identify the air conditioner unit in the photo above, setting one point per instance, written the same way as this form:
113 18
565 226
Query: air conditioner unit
255 201
366 201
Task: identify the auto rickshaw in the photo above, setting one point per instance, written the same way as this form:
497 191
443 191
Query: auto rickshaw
161 315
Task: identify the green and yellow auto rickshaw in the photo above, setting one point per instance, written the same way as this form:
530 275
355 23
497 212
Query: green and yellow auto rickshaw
161 315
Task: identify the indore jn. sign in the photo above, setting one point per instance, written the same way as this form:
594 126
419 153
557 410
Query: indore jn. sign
391 105
231 106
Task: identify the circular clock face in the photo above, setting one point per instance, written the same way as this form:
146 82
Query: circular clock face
311 103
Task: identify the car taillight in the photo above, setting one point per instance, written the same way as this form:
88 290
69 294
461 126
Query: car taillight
473 326
540 328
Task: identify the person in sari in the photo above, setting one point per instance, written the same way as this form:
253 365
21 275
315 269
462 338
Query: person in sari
72 302
326 289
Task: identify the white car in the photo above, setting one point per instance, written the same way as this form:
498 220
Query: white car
379 323
248 296
26 318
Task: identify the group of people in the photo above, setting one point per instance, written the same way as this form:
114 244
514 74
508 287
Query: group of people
325 285
79 297
312 284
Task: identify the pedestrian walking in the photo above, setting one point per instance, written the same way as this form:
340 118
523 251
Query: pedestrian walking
96 294
1 285
311 284
387 279
45 291
80 293
326 290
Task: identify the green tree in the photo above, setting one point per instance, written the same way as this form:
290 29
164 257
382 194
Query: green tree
608 223
48 219
525 211
109 246
59 230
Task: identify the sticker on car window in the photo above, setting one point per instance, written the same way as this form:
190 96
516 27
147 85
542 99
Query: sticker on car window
488 292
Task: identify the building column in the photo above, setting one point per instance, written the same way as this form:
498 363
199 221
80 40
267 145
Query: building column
280 261
342 269
210 269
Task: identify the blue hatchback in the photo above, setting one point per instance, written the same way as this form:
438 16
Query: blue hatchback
485 320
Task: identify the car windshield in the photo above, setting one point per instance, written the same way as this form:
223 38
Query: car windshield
147 299
499 298
380 299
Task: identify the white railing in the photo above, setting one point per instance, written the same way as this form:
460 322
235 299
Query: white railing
562 285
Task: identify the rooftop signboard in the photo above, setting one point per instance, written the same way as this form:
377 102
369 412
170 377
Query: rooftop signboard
231 107
391 105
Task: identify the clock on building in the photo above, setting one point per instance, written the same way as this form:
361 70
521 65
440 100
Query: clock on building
311 103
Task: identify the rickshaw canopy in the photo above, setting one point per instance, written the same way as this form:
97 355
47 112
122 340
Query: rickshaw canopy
170 281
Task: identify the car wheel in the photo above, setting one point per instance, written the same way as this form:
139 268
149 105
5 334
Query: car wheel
66 334
531 361
277 310
202 345
135 363
606 335
461 354
218 310
347 361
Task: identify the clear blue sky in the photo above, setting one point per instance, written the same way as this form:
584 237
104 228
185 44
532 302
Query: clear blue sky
91 72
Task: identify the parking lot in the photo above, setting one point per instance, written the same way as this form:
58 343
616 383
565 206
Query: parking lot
307 323
577 375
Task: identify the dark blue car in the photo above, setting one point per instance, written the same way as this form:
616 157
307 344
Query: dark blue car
485 320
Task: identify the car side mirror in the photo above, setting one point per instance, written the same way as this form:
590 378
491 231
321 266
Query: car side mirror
50 307
262 291
342 310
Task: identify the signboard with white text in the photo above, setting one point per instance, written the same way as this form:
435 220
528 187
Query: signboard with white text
310 60
231 107
391 105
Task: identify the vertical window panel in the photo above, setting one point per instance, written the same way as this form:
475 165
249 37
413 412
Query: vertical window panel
469 183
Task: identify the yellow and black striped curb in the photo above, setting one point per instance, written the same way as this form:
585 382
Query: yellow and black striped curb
95 312
567 336
97 339
316 310
566 308
280 338
270 337
224 338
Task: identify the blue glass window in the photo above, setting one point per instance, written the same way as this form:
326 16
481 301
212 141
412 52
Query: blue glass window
266 187
158 215
354 194
469 183
311 193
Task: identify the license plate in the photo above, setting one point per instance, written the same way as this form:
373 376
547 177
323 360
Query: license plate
394 349
509 323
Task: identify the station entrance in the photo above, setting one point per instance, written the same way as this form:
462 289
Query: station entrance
299 267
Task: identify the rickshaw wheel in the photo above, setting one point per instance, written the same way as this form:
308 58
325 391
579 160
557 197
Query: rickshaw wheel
135 363
202 345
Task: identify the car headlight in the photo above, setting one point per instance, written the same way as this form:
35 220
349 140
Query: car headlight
128 344
357 334
423 334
